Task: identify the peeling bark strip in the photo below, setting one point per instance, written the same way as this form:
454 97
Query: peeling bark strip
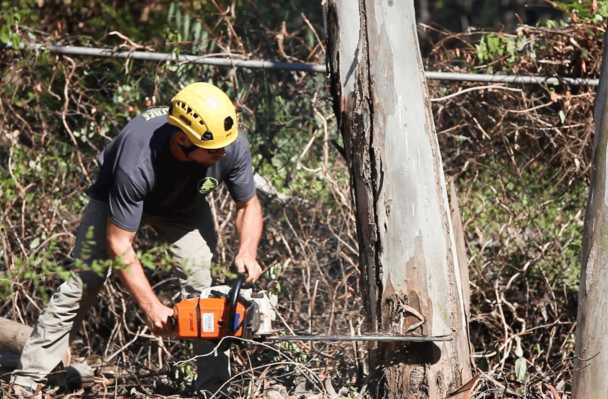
589 380
408 252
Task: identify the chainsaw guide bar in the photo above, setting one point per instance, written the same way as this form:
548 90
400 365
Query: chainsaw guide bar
375 338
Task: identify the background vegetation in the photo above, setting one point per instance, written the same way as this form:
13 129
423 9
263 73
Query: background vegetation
519 156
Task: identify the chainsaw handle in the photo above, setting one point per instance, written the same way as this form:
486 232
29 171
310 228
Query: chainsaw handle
233 296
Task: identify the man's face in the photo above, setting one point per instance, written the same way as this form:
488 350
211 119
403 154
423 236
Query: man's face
201 156
207 157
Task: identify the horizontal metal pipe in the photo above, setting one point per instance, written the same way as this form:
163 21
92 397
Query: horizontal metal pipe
167 57
288 66
473 77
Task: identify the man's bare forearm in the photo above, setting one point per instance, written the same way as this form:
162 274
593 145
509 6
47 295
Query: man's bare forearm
132 275
120 248
249 224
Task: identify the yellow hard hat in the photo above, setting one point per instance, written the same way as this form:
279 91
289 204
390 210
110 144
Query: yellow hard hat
206 114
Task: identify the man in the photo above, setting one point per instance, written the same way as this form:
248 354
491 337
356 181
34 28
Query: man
157 171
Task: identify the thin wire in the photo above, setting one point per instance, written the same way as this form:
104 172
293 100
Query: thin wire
287 66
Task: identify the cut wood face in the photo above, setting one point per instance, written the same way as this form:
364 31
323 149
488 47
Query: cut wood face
13 335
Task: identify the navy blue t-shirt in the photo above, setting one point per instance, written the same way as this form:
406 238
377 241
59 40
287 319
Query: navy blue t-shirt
138 174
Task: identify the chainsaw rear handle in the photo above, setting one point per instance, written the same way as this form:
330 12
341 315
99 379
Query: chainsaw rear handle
233 297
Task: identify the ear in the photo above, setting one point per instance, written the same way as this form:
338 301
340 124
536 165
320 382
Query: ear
182 139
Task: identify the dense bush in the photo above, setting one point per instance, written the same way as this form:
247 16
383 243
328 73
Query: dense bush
519 155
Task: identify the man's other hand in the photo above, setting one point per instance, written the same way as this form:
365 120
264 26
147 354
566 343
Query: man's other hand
247 263
159 320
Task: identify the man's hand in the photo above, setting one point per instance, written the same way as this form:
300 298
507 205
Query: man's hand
247 263
158 320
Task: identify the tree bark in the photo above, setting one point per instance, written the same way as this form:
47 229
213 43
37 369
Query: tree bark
409 259
13 335
589 380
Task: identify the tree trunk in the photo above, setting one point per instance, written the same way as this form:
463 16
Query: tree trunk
409 261
589 380
13 335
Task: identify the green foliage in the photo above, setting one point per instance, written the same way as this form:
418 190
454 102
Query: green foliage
6 34
38 259
521 366
294 351
491 46
272 274
182 376
506 222
14 15
222 270
582 11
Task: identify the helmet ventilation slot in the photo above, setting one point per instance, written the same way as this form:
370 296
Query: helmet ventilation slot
228 123
185 119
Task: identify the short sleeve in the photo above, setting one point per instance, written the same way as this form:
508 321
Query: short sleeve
240 181
126 201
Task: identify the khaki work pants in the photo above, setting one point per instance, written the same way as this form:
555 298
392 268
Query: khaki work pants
191 243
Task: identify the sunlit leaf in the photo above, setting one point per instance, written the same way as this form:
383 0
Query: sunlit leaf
519 352
35 243
171 12
186 27
16 39
521 369
178 19
5 34
197 28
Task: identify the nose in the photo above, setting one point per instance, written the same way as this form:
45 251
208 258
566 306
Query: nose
221 152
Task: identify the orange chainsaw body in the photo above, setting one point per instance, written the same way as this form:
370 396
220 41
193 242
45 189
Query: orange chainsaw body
206 318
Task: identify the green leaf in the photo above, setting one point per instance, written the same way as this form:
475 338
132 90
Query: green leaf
562 115
16 39
178 19
204 38
519 352
196 31
511 48
5 34
310 38
493 44
521 368
186 27
482 50
35 243
171 12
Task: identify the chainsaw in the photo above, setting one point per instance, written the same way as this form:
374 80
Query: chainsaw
224 311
